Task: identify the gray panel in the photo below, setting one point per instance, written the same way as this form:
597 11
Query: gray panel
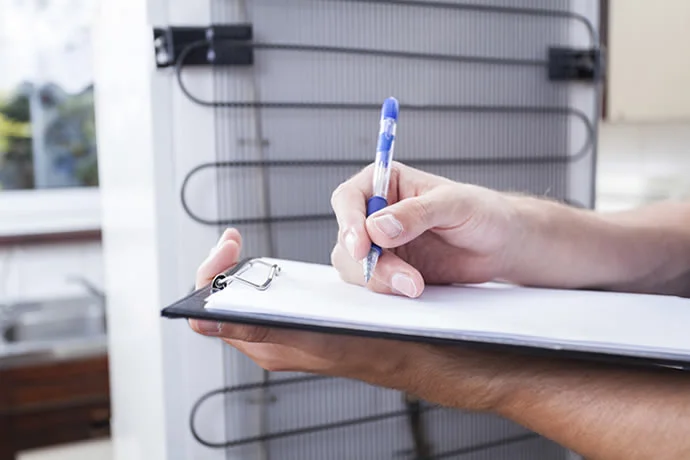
477 108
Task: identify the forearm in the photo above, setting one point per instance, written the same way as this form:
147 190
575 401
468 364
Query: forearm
645 250
603 414
598 411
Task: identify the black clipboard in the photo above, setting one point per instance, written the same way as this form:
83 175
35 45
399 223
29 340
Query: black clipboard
193 306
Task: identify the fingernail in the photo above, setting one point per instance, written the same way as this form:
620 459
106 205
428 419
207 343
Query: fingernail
404 285
351 243
389 225
212 328
221 238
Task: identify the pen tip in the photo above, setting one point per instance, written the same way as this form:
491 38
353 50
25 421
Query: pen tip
370 264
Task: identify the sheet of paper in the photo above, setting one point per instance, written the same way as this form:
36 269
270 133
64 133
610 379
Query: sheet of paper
508 314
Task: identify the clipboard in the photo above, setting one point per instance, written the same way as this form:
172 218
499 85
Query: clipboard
299 283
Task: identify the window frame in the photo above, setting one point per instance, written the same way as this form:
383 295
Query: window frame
49 214
29 216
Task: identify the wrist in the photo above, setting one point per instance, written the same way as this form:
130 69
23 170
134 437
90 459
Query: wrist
654 246
558 246
528 238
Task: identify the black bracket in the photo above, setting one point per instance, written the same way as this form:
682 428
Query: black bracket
568 64
422 449
219 45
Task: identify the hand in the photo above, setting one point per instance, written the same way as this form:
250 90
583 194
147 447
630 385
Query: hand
435 231
584 408
440 375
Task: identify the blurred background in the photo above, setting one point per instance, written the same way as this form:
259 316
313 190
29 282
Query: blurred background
54 384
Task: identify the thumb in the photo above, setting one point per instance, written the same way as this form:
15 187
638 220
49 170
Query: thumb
400 223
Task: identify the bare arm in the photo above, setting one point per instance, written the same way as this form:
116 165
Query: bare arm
645 250
603 413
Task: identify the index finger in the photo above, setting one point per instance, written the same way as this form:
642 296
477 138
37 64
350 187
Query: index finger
349 202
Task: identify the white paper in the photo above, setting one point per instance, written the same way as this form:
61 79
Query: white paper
627 324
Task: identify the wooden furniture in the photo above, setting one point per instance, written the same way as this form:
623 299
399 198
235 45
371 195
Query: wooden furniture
45 402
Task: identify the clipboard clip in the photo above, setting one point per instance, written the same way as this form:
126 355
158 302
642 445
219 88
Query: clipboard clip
222 280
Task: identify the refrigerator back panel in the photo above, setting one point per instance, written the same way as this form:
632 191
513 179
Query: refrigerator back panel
476 105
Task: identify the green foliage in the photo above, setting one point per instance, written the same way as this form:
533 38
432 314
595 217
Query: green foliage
87 172
17 109
70 132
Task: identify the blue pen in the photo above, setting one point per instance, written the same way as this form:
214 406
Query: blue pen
382 174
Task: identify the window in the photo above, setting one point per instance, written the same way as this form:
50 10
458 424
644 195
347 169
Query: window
47 123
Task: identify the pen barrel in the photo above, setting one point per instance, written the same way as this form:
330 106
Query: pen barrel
387 130
375 204
384 157
382 176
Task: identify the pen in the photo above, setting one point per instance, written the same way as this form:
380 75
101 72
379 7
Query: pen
382 174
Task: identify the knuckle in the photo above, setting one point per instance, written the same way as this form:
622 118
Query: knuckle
200 276
334 257
396 170
334 196
337 261
367 169
465 208
341 261
342 233
421 210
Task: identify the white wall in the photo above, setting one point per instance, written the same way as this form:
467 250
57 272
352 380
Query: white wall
642 162
649 64
33 272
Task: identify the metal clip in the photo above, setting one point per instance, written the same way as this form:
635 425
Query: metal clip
223 280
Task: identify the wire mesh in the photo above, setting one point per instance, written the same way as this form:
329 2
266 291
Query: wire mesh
476 106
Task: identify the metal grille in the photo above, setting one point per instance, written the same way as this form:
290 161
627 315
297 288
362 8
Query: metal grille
476 106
